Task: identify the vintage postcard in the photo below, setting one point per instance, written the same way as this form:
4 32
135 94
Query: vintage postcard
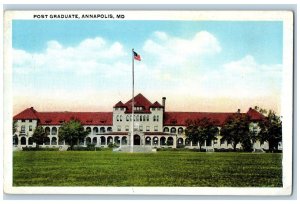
148 102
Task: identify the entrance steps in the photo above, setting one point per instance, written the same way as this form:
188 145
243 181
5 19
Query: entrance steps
136 148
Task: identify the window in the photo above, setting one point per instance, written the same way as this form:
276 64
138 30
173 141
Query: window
166 129
120 118
23 121
102 130
126 128
88 129
173 130
117 117
154 118
130 117
208 142
147 117
180 130
157 118
54 131
30 121
137 118
148 128
127 118
30 128
144 118
119 128
23 128
155 128
141 118
141 128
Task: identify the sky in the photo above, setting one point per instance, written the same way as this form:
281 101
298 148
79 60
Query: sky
203 66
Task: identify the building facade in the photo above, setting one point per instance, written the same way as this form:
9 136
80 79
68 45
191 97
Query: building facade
153 126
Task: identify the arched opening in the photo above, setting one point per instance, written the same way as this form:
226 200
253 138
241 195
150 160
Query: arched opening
23 141
170 141
54 131
94 140
88 141
88 129
180 130
102 140
162 141
109 140
95 130
15 140
148 141
54 141
208 142
47 141
155 140
47 130
180 141
187 142
117 140
124 140
136 140
166 129
102 130
81 141
30 141
109 129
173 130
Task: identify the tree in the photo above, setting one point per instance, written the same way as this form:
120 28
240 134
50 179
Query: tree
72 132
200 130
236 130
39 136
270 129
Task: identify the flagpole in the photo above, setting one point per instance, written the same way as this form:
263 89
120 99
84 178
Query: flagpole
131 141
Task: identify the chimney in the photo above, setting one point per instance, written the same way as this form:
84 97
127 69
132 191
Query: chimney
164 102
239 111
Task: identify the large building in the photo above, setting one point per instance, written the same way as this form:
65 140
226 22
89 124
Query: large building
153 126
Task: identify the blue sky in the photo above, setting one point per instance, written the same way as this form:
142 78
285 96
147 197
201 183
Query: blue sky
197 65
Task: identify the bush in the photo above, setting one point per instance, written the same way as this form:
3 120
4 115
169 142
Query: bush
89 147
40 149
111 145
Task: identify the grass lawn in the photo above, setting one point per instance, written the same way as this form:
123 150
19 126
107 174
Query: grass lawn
164 168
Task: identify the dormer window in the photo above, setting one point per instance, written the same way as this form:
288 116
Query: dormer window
138 108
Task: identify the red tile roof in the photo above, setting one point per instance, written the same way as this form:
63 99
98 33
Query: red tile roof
86 118
179 118
255 115
28 113
139 101
57 118
120 104
156 105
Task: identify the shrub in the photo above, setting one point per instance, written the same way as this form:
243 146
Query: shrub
89 147
111 145
40 149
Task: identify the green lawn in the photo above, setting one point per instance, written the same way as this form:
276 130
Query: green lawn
165 168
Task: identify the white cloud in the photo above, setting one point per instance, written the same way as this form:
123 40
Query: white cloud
242 78
88 57
179 68
169 51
